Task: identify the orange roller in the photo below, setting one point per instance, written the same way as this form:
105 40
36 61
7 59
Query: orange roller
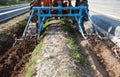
46 2
56 1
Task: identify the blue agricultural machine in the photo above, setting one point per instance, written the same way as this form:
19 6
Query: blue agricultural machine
55 8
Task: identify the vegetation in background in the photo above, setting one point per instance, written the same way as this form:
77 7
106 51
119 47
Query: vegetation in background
9 2
6 3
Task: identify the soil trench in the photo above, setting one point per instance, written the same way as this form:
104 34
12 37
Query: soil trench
101 56
107 58
13 59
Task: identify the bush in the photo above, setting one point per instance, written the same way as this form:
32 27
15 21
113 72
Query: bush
8 2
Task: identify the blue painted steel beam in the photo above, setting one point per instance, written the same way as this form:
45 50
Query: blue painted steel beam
41 16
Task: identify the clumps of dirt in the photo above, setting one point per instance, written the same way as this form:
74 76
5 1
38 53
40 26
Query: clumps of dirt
114 48
104 52
7 36
7 39
13 61
5 43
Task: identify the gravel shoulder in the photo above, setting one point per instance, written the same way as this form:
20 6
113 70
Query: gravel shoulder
10 23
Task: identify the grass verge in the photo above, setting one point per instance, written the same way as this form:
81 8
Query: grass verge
75 52
73 44
31 64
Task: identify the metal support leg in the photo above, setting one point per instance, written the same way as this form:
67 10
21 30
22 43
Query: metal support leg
26 28
40 22
41 25
93 25
79 22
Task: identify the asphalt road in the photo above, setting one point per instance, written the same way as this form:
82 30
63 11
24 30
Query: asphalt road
107 7
7 13
106 15
12 8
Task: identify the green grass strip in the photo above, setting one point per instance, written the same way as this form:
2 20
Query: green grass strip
31 64
73 44
75 52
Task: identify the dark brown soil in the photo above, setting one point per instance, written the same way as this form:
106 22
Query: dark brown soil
103 55
5 45
107 56
7 40
15 58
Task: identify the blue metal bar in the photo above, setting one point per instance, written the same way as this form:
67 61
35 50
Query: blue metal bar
63 8
39 20
80 18
93 25
41 25
79 22
59 15
48 13
26 28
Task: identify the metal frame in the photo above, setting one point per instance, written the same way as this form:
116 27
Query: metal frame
43 16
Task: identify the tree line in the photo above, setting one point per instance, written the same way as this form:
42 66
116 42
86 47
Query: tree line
7 2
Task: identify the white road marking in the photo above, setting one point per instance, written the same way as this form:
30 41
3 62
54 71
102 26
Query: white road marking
105 14
14 10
